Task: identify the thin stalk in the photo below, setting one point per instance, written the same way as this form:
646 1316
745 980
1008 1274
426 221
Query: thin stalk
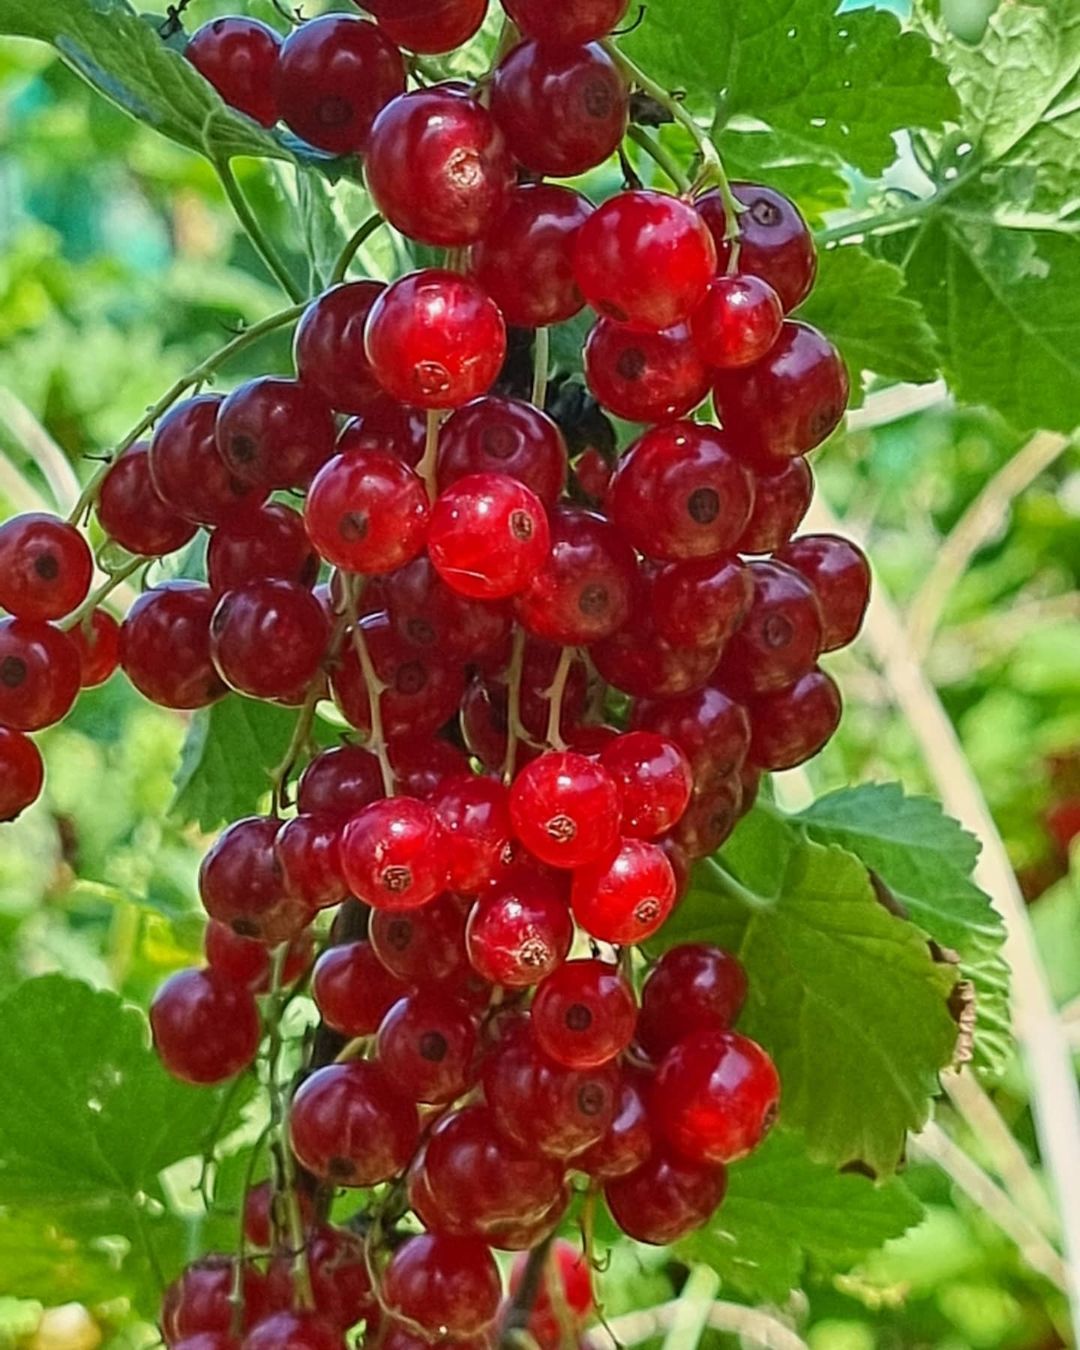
429 462
661 155
110 584
732 887
692 1315
553 735
541 367
236 1294
356 242
516 1318
375 687
260 240
514 729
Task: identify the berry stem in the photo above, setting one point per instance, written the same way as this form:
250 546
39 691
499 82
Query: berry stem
375 687
555 699
112 581
661 155
427 466
254 231
236 1294
354 1049
541 365
516 1319
356 242
514 730
730 886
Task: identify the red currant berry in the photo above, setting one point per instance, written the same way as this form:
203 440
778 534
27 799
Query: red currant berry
299 1330
367 512
488 536
245 961
654 780
308 853
716 1096
789 401
526 262
97 642
504 436
334 76
329 347
701 602
349 1125
394 854
339 782
774 240
435 339
475 816
206 1029
275 433
711 729
839 573
22 774
644 259
239 56
584 1014
565 1294
430 27
625 899
424 946
240 883
45 567
446 1285
390 427
628 1140
353 990
737 322
519 932
693 987
268 639
264 1214
423 763
645 377
680 492
593 474
564 109
714 811
781 499
188 472
427 1046
792 725
340 1281
165 646
565 810
640 662
666 1198
200 1302
460 170
427 613
133 513
40 675
579 21
269 542
395 1335
781 636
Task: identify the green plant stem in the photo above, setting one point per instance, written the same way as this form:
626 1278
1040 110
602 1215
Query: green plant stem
106 589
375 687
356 242
732 887
261 242
692 1315
661 155
541 365
555 699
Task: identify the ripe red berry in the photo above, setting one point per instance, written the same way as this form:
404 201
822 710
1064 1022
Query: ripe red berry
45 567
519 931
22 773
349 1125
625 899
781 636
781 499
387 426
710 728
666 1198
526 262
435 339
774 240
793 724
188 471
329 347
681 492
839 573
339 782
40 676
488 535
269 542
737 322
446 1285
132 511
394 855
367 512
334 75
97 642
563 108
264 1212
308 853
565 1295
165 646
654 780
205 1028
504 436
700 602
340 1281
353 990
240 883
423 946
628 1140
299 1330
584 1014
640 662
239 56
426 613
716 1096
475 816
693 987
207 1340
430 27
245 961
578 21
460 170
268 639
275 433
565 810
422 764
427 1046
199 1302
645 377
644 259
713 813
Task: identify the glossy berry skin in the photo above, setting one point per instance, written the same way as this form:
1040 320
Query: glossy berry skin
640 662
339 782
715 1097
435 339
839 573
645 377
353 990
708 725
693 987
97 643
308 852
628 1140
584 1014
349 1125
789 401
165 646
197 1303
205 1029
259 1216
526 262
475 817
565 810
40 675
240 883
712 815
775 242
207 1340
701 602
426 613
329 347
393 854
666 1198
269 542
644 259
429 27
22 774
444 1284
133 513
367 512
737 322
423 946
188 471
781 499
625 899
519 931
503 436
654 780
488 536
680 492
275 433
792 725
388 426
781 636
45 567
459 168
427 1046
581 21
239 56
268 639
422 763
334 76
339 1274
247 962
585 589
564 109
299 1330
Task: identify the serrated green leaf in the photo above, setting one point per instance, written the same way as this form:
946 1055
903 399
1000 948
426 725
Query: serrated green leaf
782 1210
846 82
810 175
859 301
858 1055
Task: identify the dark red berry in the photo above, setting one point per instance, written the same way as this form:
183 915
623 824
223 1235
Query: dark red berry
353 990
307 850
645 377
628 1140
654 780
423 763
265 1209
693 987
299 1330
793 724
269 542
640 662
22 773
248 962
132 511
428 614
737 322
339 782
666 1198
519 931
446 1285
423 946
839 573
367 512
340 1280
387 426
45 567
40 674
711 729
488 536
188 471
275 433
504 436
329 347
577 21
239 56
430 27
240 883
96 639
349 1125
700 602
774 240
206 1029
268 639
565 810
475 816
165 646
394 855
714 811
781 636
781 499
625 899
199 1302
584 1014
427 1045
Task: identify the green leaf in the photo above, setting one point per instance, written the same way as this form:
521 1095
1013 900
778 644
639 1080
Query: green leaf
859 301
845 82
858 1055
808 174
783 1210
